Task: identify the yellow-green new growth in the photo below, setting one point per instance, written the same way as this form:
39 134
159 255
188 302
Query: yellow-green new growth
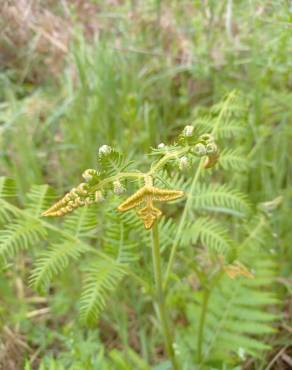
77 197
147 194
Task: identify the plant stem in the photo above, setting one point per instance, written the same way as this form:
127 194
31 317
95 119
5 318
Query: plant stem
202 322
204 309
191 190
160 299
181 225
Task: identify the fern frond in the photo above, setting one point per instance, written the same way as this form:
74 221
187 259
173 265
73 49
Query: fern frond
39 199
232 113
237 106
82 222
7 187
219 198
20 235
113 163
174 181
233 160
53 261
212 234
225 129
167 232
237 316
7 213
101 279
118 236
256 231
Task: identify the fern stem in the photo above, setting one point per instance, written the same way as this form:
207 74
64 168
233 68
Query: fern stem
204 309
202 323
181 226
168 339
119 176
189 198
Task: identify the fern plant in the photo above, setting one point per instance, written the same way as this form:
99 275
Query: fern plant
210 238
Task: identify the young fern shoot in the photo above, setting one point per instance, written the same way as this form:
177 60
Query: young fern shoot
100 183
212 251
111 176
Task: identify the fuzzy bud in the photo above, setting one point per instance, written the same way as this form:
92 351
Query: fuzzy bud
207 138
188 131
88 174
79 202
183 163
104 150
82 189
98 196
200 149
118 187
161 146
88 201
211 148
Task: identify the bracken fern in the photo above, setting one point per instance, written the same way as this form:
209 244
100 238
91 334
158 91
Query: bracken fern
212 237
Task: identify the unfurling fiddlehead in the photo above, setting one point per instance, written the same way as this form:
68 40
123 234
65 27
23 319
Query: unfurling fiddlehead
147 194
112 170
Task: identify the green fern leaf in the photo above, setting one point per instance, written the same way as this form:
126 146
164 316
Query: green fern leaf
225 128
233 160
118 236
83 222
219 198
20 235
237 317
212 234
54 261
7 187
7 213
102 278
39 198
113 163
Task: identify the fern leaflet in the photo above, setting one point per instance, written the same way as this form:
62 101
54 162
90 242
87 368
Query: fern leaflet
101 278
219 198
53 261
20 235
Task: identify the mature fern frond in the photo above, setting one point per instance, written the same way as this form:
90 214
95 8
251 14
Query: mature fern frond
7 187
225 128
219 198
102 278
212 234
237 316
20 235
118 236
82 223
227 117
256 230
53 261
7 214
39 198
237 105
231 297
167 232
233 160
174 181
113 163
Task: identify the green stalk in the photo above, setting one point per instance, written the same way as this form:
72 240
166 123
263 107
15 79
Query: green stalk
189 200
181 225
202 323
204 309
160 299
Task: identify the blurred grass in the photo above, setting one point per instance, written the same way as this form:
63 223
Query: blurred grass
131 74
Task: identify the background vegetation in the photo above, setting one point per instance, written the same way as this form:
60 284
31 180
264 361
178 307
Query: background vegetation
79 74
